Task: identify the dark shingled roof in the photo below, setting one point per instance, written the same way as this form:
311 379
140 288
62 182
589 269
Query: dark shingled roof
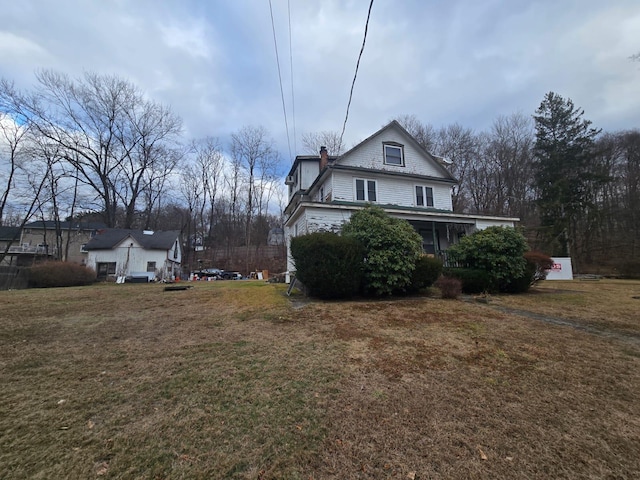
51 225
8 234
109 238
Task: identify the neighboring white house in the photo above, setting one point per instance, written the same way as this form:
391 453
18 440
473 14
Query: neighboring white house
389 169
135 253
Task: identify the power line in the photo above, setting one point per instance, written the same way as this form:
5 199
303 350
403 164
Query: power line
284 110
293 103
364 40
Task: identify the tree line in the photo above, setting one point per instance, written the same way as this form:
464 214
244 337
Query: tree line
575 189
97 148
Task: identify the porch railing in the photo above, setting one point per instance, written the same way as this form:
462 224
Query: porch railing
32 250
447 262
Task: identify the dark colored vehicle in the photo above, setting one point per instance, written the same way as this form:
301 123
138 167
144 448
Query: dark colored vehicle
209 272
225 275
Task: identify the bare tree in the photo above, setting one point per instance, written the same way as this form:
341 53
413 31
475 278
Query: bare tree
253 150
312 141
106 129
424 134
157 182
12 137
501 175
209 161
459 146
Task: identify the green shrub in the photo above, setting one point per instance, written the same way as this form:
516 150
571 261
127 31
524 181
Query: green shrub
60 274
536 269
450 287
391 249
330 266
473 280
522 283
497 250
427 271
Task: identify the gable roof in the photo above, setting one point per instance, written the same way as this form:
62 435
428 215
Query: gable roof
9 234
109 238
394 124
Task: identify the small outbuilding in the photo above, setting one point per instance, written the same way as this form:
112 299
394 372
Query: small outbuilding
135 254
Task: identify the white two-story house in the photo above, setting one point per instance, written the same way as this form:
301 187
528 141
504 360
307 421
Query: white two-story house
389 169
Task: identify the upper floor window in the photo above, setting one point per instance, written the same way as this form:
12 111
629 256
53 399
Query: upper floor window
365 190
424 196
393 155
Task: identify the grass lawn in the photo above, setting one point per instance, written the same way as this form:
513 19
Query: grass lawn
232 380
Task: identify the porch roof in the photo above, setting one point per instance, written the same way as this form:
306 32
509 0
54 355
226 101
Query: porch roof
406 213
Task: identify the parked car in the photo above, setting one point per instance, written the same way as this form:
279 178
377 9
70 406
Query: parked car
209 273
228 275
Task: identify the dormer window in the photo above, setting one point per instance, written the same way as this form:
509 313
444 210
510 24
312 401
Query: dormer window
393 154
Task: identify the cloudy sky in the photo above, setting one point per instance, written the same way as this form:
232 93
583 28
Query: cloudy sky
464 61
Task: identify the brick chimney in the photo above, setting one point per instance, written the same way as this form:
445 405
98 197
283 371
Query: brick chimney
324 157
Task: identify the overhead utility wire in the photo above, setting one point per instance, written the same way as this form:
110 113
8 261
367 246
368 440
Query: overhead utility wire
293 103
366 27
284 110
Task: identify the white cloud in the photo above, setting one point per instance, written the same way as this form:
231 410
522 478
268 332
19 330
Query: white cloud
460 61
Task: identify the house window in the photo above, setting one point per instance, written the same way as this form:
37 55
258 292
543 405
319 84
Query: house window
151 266
424 196
366 190
105 269
394 155
175 250
82 248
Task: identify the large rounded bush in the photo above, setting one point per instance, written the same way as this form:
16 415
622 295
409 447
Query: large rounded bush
537 267
330 266
391 248
499 251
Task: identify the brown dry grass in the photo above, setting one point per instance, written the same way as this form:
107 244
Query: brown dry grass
228 380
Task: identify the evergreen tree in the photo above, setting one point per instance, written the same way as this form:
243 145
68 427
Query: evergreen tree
565 171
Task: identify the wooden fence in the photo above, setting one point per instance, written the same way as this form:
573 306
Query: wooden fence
13 278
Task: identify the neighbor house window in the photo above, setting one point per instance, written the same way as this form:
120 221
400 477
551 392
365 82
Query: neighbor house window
104 269
365 190
151 266
424 196
393 155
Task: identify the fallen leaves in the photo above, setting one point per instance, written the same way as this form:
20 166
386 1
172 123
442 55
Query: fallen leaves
483 455
102 468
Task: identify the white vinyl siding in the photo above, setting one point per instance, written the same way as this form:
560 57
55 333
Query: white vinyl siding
390 191
371 155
